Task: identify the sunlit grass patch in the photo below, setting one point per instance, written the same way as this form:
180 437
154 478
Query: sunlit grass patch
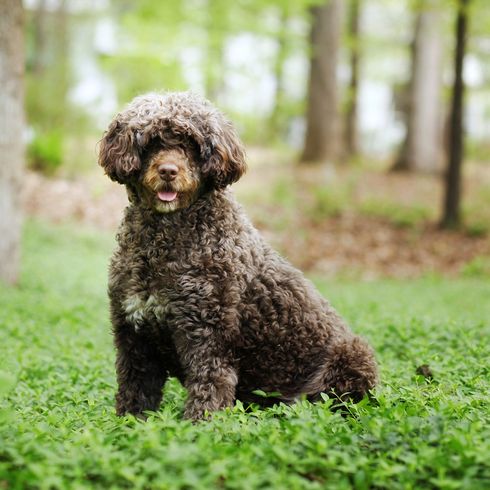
478 267
476 212
330 201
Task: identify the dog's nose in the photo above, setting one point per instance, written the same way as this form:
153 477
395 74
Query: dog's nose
168 171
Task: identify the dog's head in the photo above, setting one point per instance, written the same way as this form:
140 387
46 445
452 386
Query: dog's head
169 149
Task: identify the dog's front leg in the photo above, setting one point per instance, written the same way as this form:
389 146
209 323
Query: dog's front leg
210 388
140 370
210 377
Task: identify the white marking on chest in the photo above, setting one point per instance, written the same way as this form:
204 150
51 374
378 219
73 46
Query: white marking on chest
140 311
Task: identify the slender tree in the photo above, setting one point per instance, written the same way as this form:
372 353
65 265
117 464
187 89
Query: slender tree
11 135
216 31
276 117
451 217
322 118
422 148
351 129
39 35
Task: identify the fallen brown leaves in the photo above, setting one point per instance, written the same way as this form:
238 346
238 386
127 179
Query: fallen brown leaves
359 246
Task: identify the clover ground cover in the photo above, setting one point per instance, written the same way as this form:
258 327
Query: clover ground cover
58 429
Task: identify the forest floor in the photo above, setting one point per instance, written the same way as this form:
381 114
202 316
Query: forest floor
331 221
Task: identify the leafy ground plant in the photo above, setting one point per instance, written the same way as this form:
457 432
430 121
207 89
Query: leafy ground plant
58 429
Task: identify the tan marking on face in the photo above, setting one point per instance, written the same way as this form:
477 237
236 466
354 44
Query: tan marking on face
186 183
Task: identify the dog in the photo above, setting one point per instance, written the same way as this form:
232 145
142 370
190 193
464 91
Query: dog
195 292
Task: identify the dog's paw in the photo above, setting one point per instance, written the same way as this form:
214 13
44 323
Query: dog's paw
196 413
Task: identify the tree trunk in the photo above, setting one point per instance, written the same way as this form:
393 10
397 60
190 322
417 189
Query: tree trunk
214 57
62 67
451 213
422 149
39 35
11 135
276 120
322 119
351 130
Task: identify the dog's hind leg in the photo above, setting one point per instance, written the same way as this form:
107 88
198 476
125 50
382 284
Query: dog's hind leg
141 373
349 371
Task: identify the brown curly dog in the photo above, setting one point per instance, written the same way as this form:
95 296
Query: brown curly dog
195 291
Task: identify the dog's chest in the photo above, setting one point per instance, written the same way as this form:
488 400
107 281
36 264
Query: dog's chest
145 310
156 274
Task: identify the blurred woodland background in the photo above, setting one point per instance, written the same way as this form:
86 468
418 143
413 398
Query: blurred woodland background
367 122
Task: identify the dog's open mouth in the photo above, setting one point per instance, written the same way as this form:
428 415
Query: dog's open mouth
167 196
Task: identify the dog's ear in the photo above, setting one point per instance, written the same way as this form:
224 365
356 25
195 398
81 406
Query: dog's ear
224 157
119 153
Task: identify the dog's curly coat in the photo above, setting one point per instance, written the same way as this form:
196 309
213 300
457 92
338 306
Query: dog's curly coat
195 291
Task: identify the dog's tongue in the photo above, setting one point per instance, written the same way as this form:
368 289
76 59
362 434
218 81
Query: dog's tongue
167 196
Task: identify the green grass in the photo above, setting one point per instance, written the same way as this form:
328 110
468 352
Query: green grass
402 216
58 429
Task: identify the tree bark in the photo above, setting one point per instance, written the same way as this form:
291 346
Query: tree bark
276 120
451 211
351 129
214 58
11 136
39 33
322 119
422 149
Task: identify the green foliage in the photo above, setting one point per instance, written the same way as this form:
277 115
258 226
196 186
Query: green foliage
54 121
478 267
58 429
477 150
330 200
477 212
476 228
283 193
404 216
45 151
137 72
282 201
250 128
